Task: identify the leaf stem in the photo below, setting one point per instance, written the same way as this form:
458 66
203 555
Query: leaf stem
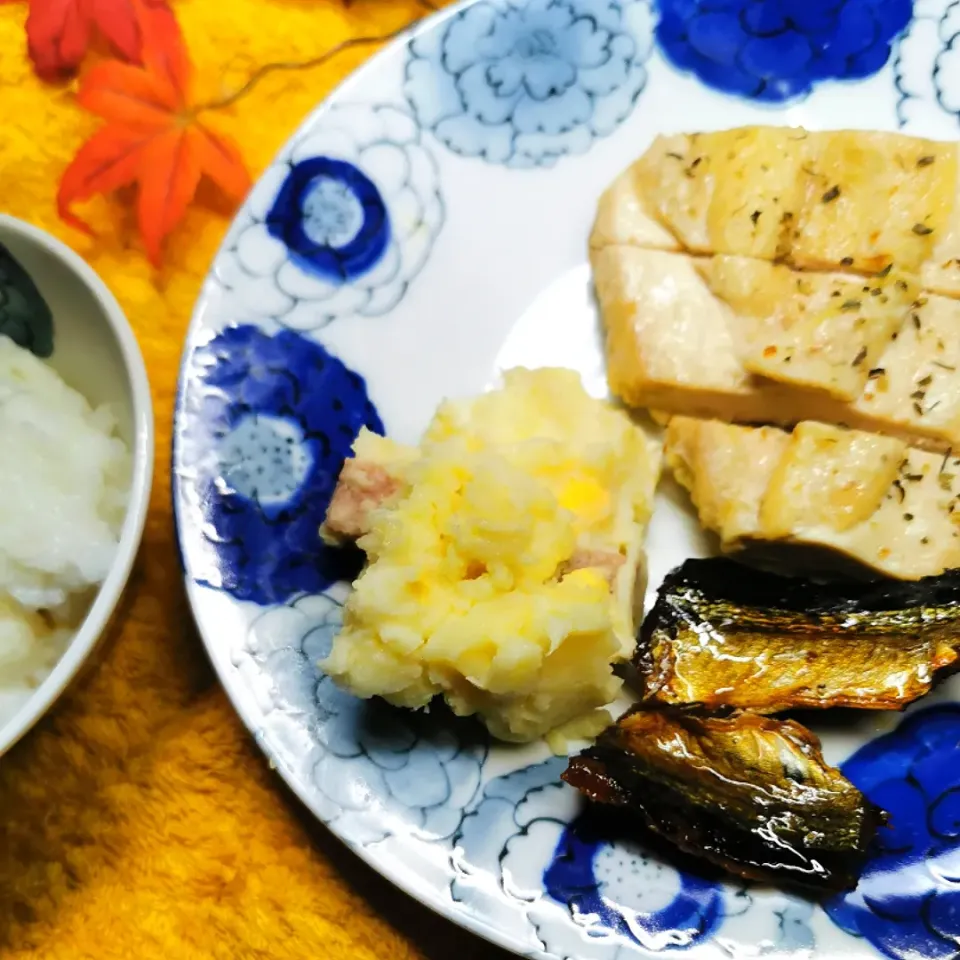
318 61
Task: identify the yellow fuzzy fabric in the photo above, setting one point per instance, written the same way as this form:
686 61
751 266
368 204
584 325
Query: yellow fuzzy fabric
139 821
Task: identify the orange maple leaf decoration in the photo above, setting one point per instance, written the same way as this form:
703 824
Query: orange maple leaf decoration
59 32
153 138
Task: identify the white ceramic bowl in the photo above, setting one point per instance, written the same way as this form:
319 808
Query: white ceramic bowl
96 352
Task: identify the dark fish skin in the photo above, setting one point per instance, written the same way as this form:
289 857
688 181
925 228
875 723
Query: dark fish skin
722 634
749 793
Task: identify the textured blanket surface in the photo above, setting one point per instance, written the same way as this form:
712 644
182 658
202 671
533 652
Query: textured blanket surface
139 821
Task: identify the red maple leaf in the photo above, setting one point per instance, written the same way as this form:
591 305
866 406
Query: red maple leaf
153 138
59 31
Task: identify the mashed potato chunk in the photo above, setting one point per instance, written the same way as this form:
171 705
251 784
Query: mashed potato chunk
504 557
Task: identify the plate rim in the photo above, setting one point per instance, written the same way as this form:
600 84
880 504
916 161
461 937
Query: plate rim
205 319
401 880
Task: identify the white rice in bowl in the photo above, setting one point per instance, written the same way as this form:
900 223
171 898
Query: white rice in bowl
64 482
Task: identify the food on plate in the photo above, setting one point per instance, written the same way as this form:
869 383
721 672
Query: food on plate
707 314
825 200
870 498
63 486
749 280
722 636
504 558
749 793
669 342
740 341
913 389
373 477
787 305
823 331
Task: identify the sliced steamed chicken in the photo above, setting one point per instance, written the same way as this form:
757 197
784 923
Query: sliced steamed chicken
823 331
751 342
844 199
695 253
891 507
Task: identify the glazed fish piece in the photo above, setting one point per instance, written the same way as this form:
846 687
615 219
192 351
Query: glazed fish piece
724 636
749 793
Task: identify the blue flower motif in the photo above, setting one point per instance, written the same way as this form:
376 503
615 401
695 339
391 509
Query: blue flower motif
331 217
268 421
375 768
926 65
907 903
612 884
525 83
339 226
777 50
566 882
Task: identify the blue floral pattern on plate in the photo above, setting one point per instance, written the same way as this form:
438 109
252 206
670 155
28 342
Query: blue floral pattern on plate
907 903
557 864
777 50
404 766
331 218
525 83
611 883
372 200
339 226
928 88
272 420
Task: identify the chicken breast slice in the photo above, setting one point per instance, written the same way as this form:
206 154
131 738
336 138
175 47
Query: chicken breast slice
873 200
732 191
829 200
673 346
872 499
941 272
915 383
824 331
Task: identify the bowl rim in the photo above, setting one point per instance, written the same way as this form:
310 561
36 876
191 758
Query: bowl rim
105 603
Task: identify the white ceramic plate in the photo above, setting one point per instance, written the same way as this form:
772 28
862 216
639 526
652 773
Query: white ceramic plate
424 229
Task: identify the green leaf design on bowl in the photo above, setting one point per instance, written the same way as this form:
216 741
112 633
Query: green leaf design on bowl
25 316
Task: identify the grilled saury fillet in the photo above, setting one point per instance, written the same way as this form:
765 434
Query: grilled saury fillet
722 636
749 793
